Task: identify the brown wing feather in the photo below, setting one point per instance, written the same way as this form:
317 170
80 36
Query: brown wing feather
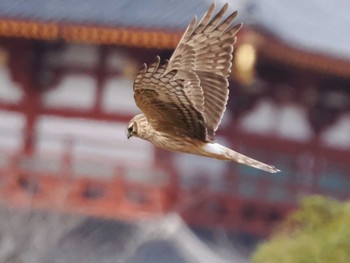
206 50
164 101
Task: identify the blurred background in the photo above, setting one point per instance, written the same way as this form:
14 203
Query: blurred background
74 189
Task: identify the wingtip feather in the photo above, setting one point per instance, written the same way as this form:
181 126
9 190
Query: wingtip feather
143 68
238 26
155 64
224 7
212 6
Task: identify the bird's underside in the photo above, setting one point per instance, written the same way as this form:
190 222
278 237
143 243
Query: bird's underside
208 149
183 100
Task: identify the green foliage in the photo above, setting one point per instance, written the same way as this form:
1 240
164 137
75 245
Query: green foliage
319 232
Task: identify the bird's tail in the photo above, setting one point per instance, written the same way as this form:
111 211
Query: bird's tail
224 153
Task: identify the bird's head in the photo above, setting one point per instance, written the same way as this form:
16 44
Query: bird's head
137 126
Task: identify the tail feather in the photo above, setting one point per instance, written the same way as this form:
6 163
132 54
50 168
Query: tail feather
221 152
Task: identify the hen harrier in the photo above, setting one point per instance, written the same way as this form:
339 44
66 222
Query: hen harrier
184 99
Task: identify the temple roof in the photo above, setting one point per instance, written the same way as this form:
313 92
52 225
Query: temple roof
315 31
169 15
317 25
152 23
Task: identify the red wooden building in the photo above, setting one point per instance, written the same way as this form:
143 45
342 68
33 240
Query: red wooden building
66 93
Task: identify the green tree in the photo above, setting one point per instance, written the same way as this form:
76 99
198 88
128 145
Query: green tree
319 232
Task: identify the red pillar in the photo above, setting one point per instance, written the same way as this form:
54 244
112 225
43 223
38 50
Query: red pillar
26 63
100 75
31 108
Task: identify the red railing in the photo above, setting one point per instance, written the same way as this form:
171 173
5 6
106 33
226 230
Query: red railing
250 200
114 197
119 198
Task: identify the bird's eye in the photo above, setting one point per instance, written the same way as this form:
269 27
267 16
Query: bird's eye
130 129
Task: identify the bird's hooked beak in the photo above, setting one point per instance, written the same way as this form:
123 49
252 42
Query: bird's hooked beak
128 133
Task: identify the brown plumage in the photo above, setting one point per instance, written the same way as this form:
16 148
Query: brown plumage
184 99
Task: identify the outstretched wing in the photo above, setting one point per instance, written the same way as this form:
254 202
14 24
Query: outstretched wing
164 101
206 50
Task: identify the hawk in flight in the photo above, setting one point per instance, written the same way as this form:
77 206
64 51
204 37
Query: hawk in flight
183 100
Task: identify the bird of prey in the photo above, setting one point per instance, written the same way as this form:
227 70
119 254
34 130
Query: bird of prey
183 100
